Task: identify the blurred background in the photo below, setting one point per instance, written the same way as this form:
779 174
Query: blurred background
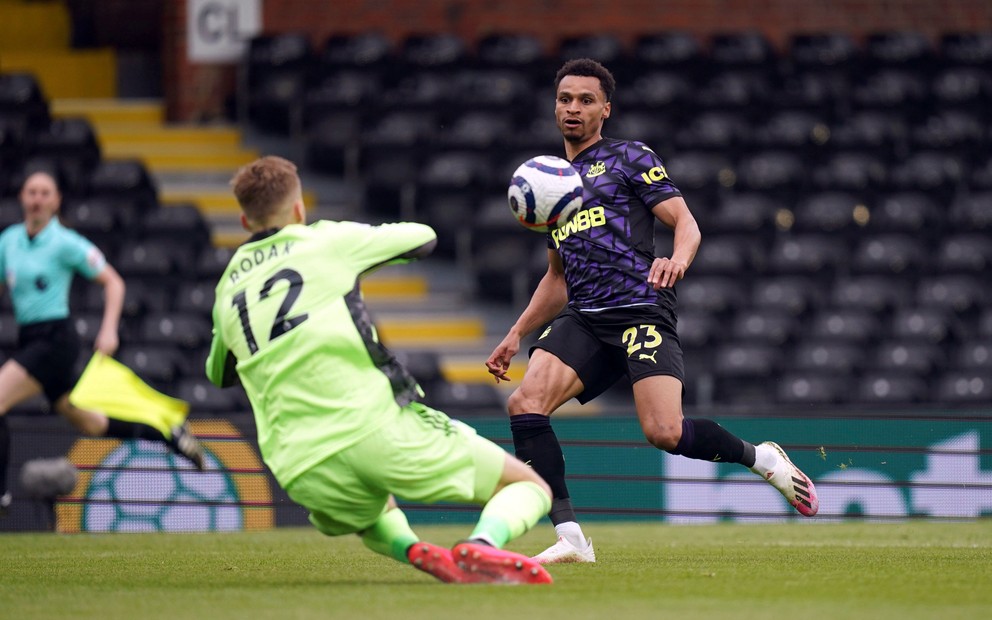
835 154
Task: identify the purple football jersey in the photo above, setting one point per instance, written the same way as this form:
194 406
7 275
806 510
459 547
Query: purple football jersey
608 247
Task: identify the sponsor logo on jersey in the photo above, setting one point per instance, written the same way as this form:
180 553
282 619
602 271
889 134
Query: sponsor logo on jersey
596 169
654 175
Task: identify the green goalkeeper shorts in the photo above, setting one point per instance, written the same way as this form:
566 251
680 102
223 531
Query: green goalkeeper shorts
424 456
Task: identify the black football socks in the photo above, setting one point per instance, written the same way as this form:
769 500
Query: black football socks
536 444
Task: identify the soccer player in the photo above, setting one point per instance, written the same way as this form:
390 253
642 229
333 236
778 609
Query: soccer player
39 258
338 420
612 311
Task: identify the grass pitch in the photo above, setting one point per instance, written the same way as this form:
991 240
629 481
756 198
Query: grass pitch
733 571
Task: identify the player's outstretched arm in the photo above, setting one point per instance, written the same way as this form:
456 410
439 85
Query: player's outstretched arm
675 214
548 300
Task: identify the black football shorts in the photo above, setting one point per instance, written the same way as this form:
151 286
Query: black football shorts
603 346
48 351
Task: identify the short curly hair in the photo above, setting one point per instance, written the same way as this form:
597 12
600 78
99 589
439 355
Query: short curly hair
587 67
264 185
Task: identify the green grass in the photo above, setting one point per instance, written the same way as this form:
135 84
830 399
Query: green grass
795 570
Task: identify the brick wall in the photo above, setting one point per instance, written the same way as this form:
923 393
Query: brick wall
553 19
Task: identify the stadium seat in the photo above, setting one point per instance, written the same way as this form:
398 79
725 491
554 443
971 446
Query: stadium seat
974 355
756 360
827 355
699 173
464 399
180 224
140 297
794 130
332 143
958 87
890 388
367 52
278 69
967 387
476 130
925 324
966 48
714 294
890 89
195 297
811 254
489 90
937 173
819 51
725 131
959 294
741 49
734 90
776 171
811 388
345 94
904 212
851 171
606 48
424 365
827 212
875 132
727 255
817 91
746 213
698 329
850 325
22 100
432 51
903 49
872 293
206 399
124 180
184 330
513 50
769 326
794 294
960 132
73 144
676 50
654 90
973 212
212 261
158 259
892 254
97 220
907 356
158 365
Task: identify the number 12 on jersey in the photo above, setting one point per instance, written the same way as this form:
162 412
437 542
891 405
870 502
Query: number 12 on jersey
283 322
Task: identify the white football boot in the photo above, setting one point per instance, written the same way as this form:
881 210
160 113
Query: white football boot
564 552
790 481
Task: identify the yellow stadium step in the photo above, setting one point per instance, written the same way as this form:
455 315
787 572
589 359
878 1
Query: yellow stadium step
102 111
408 287
33 26
408 331
212 202
473 369
115 133
182 158
69 73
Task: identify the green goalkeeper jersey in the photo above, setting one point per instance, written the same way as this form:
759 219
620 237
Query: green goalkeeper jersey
290 318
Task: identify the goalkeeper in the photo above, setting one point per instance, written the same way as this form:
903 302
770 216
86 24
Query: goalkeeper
338 420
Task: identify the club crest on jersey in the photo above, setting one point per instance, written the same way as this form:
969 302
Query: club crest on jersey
596 169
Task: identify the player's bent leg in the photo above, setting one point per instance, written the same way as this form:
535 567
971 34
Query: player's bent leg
773 464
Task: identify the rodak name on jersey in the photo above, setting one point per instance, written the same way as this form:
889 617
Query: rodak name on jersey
259 256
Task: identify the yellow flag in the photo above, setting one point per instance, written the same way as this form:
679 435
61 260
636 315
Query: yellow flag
111 388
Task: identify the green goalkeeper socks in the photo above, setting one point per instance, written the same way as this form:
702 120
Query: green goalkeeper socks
511 512
391 535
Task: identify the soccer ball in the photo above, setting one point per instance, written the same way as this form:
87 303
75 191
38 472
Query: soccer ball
545 192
